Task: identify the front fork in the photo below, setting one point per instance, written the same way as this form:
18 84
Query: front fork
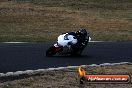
58 48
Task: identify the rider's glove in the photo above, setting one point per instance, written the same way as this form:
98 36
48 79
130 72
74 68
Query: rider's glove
83 44
69 43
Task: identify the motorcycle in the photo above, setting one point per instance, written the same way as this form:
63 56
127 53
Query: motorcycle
69 49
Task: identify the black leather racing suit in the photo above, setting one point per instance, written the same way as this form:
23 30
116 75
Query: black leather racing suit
82 42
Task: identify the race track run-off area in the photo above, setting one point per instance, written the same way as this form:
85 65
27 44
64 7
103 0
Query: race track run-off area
31 56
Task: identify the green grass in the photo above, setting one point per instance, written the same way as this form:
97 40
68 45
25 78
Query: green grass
44 20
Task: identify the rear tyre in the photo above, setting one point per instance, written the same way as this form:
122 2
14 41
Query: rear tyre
76 51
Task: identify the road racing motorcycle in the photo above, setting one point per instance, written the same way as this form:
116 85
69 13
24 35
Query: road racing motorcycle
69 44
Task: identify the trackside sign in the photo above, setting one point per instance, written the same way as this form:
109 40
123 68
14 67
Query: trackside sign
102 78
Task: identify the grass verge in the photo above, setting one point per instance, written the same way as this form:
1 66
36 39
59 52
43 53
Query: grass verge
44 20
69 78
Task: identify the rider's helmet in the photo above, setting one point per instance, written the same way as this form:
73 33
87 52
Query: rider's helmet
82 32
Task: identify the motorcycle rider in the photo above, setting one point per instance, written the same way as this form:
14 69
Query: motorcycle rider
74 39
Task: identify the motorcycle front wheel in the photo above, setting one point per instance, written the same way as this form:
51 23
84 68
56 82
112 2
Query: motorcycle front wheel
51 51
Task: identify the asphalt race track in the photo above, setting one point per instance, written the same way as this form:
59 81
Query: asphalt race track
31 56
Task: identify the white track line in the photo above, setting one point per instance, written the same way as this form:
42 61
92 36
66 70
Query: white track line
15 42
29 42
97 41
31 72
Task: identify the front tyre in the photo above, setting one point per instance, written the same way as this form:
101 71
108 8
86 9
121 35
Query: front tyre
51 51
